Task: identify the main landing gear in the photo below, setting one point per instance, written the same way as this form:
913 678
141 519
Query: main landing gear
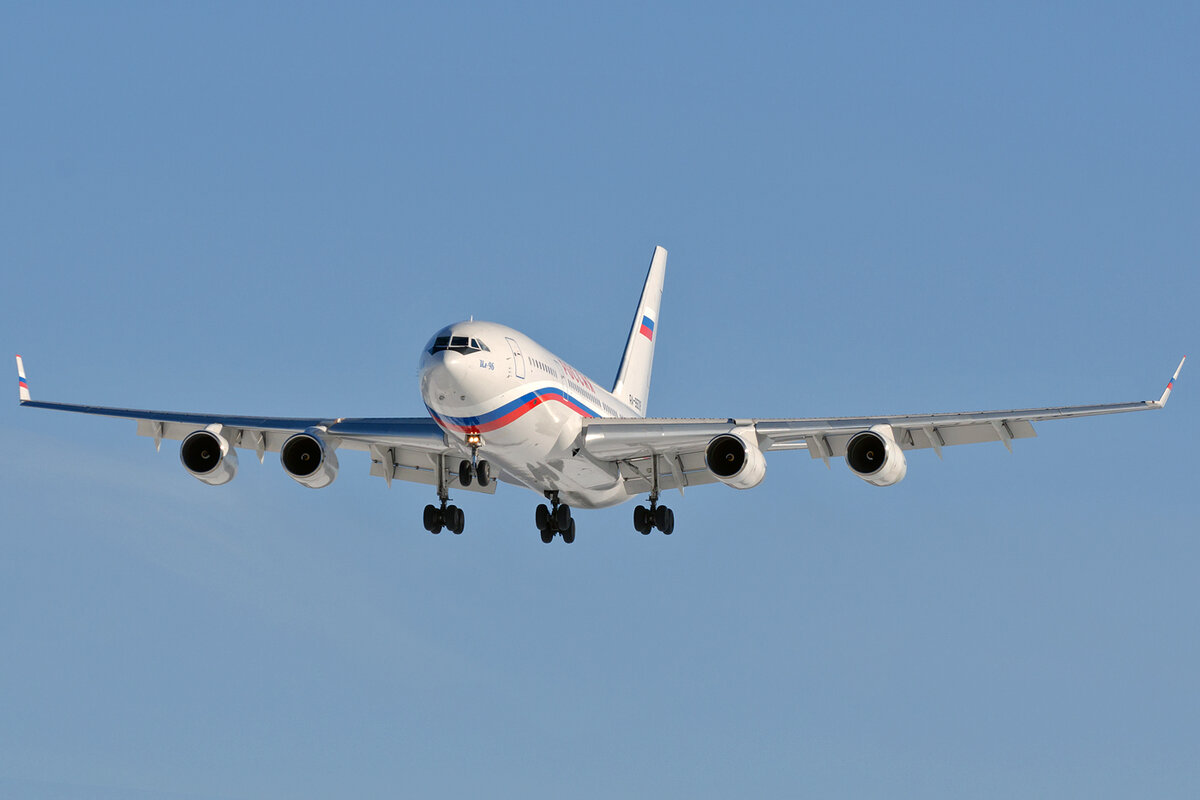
445 516
555 519
451 518
656 516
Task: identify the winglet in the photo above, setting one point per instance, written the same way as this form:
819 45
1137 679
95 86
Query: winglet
1162 401
22 384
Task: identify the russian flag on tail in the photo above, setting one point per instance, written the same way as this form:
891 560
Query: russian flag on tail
647 328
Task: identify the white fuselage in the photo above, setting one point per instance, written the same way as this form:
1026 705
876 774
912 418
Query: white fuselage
526 405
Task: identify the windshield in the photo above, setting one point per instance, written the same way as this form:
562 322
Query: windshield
457 344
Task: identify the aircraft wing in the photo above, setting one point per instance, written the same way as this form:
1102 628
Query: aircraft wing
414 448
675 447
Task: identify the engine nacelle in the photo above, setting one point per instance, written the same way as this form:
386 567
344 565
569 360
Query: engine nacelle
207 456
874 456
308 460
735 462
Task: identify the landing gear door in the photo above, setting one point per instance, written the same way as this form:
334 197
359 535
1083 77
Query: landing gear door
518 359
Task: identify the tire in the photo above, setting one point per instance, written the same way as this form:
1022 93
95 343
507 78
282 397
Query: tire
669 528
541 517
454 519
483 473
431 517
639 517
547 537
562 517
645 529
569 533
465 472
660 517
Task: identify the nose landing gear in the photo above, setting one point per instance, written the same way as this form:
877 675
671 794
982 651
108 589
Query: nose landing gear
555 519
474 469
480 472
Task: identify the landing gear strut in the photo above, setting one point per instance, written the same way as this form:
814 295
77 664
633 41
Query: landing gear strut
445 516
555 519
656 516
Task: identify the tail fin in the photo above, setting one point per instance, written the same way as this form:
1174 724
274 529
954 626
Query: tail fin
633 376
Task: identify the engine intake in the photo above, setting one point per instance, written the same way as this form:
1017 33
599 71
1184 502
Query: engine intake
208 457
735 462
874 456
308 460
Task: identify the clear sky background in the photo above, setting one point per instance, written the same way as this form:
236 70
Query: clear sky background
269 209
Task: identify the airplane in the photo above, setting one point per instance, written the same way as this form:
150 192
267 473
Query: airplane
503 408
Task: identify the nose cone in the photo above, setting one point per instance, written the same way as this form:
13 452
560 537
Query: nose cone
444 378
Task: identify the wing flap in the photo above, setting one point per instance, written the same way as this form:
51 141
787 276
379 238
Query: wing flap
689 470
910 437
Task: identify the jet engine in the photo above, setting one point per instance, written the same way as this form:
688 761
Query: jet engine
735 462
207 456
308 460
874 456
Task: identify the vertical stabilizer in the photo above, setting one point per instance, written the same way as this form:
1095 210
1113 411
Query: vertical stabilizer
633 376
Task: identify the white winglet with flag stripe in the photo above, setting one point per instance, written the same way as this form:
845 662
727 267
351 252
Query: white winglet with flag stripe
22 384
1162 401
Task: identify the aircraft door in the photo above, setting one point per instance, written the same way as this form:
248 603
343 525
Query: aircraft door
518 359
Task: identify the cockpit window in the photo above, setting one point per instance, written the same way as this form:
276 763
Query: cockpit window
457 344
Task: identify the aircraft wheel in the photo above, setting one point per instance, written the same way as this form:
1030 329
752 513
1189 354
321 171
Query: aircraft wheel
639 517
455 519
541 517
431 517
547 537
669 528
660 517
562 517
465 472
483 473
569 533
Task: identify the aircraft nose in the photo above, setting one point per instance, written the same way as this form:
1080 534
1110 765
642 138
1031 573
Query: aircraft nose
444 377
455 365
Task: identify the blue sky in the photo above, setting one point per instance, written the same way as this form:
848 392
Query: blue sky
269 208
